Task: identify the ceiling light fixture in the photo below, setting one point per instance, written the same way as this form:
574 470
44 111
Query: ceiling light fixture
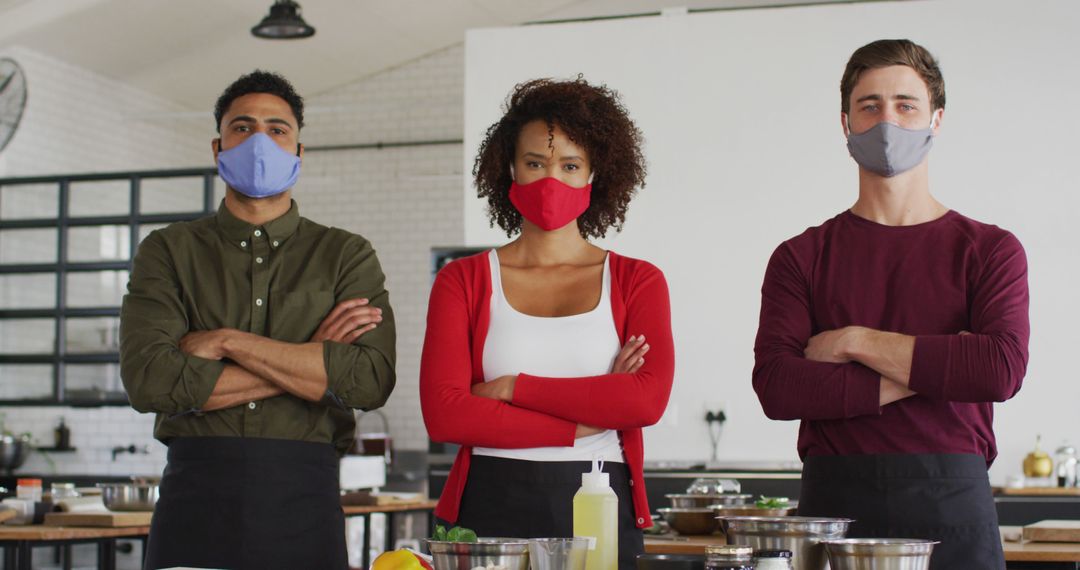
283 23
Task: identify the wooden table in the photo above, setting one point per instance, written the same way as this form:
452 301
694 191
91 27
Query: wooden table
1047 555
425 507
18 542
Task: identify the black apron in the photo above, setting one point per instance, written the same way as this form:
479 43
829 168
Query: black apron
248 503
944 497
535 499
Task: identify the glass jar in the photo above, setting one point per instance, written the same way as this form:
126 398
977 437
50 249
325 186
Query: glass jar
772 560
729 557
28 489
63 491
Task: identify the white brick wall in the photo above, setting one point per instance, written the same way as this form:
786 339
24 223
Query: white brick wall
404 200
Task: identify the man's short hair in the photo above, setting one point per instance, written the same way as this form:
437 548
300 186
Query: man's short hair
885 53
260 81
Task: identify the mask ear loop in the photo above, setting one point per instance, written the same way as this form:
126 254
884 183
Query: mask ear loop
592 175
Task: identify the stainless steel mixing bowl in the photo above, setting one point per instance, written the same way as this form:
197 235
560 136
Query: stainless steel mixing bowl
129 496
879 553
496 553
801 535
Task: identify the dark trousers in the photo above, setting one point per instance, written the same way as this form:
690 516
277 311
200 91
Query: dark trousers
534 499
248 503
943 497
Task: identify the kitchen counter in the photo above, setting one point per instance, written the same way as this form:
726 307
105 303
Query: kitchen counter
1014 551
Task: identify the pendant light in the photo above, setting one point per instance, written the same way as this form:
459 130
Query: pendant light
283 23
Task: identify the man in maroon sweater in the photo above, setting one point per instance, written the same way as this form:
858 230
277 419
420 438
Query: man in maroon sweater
891 329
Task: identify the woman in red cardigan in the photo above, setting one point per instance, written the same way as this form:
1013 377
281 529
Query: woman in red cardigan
549 351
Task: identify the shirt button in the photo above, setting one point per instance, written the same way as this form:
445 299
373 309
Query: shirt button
258 302
258 260
275 243
243 244
251 405
639 521
631 482
258 233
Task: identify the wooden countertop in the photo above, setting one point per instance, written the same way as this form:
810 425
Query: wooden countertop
40 532
1014 551
426 505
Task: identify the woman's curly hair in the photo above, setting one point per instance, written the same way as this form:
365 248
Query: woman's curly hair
594 118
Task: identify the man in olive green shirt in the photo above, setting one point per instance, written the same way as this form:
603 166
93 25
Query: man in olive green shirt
252 334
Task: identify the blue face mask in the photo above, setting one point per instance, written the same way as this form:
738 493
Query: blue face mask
258 167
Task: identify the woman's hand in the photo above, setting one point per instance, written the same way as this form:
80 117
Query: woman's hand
501 388
585 431
631 357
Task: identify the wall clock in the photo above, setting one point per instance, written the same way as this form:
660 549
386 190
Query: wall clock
12 98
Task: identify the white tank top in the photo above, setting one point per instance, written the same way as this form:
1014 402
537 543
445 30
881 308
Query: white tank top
556 347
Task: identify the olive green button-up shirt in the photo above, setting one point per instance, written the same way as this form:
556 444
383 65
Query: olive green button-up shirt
278 280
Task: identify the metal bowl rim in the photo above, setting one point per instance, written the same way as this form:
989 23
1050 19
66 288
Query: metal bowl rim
788 520
708 495
693 510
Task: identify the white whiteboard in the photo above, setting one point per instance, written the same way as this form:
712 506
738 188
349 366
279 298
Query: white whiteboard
740 112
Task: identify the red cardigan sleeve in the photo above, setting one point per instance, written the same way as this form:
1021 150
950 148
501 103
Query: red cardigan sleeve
617 401
451 413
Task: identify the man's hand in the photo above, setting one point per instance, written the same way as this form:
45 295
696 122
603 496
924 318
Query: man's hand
501 388
206 344
631 357
347 321
831 346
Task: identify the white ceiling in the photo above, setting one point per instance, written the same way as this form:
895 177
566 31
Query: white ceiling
186 50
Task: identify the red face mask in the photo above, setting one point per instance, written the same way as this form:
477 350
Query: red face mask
550 203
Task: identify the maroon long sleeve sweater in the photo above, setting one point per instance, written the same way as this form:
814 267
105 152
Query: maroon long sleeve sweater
930 280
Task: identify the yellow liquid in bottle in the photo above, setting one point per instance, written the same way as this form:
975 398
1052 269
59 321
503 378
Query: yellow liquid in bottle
596 517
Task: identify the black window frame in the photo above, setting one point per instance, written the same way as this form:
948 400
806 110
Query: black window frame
60 312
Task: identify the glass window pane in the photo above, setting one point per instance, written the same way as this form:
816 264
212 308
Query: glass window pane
28 246
27 201
96 288
99 334
28 291
92 381
26 381
145 229
99 243
171 195
100 198
27 336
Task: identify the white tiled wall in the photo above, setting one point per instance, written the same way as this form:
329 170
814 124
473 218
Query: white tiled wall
404 200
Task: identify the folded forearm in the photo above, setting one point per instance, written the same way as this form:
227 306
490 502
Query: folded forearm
237 386
887 353
295 368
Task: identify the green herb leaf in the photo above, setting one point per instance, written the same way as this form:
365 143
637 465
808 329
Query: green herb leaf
771 502
467 535
440 533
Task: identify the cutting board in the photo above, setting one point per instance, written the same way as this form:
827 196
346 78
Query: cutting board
1038 491
109 519
1053 531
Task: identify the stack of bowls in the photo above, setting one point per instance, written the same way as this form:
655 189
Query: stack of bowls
500 553
879 553
801 535
692 513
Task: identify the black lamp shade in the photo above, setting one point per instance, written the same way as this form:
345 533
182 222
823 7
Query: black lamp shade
283 23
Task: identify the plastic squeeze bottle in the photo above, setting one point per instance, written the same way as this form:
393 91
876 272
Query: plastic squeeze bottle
596 517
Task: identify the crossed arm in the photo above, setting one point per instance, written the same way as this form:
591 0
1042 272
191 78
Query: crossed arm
265 367
168 369
854 371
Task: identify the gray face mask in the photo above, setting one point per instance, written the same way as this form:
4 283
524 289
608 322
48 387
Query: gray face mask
887 150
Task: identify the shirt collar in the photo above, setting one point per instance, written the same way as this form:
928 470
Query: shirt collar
240 232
